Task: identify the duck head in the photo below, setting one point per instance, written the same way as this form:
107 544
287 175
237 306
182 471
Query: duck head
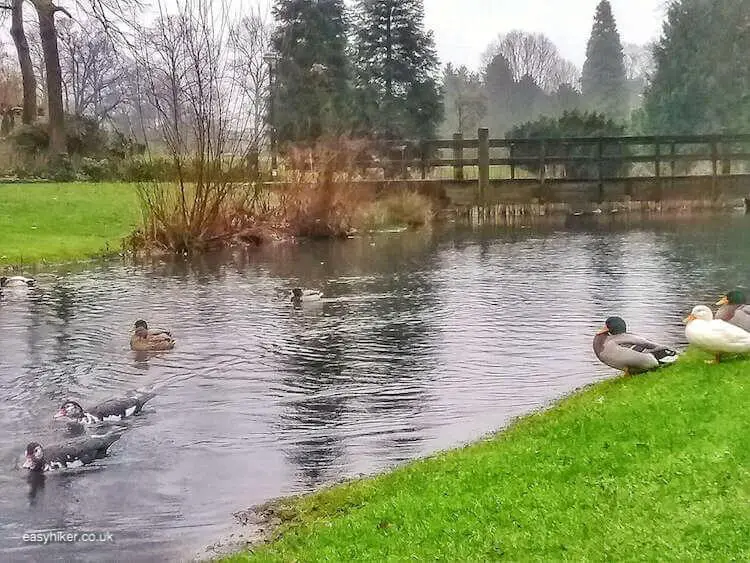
34 457
71 410
613 326
297 294
141 328
735 297
699 313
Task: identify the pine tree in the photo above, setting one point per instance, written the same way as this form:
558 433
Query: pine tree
311 89
702 80
603 80
396 69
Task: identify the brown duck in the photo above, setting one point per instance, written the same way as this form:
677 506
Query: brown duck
146 339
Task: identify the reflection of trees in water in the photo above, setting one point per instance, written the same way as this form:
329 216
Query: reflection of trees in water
362 360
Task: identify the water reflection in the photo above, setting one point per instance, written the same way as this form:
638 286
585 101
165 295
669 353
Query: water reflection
423 341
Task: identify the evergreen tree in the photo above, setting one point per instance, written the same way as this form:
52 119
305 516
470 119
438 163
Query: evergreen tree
702 80
499 84
603 79
464 99
396 70
311 89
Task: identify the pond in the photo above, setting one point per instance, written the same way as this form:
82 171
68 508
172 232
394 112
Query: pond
424 341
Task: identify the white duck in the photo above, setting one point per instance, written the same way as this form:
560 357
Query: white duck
714 335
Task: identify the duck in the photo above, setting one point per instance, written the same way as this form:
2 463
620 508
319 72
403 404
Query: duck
617 348
715 336
73 453
733 309
16 281
299 295
147 339
114 409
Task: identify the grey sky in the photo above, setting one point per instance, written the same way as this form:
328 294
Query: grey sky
464 28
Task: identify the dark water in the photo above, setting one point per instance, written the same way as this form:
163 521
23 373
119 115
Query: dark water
425 341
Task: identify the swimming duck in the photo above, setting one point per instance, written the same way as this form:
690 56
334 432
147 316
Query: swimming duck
299 295
73 453
16 281
150 340
110 410
615 347
734 310
715 335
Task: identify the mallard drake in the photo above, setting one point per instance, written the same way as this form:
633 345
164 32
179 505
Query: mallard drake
147 339
715 335
16 281
299 295
615 347
734 310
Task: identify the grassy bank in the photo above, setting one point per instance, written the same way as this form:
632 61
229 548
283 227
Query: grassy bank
653 467
59 222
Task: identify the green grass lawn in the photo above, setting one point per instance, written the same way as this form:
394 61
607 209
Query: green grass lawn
60 222
654 467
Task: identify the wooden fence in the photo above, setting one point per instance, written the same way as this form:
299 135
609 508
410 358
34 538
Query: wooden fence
582 159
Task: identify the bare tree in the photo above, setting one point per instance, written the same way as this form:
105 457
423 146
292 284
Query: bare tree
92 70
639 61
191 82
18 33
250 40
533 55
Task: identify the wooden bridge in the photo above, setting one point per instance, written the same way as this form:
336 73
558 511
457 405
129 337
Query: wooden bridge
575 169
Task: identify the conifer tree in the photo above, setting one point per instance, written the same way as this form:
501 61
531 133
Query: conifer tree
702 79
603 80
396 69
311 88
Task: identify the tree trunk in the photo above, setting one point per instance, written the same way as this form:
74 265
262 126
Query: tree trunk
45 10
24 60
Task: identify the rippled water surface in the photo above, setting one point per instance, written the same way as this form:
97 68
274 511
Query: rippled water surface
423 342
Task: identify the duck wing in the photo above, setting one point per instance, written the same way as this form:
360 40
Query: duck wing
84 450
118 408
638 344
738 315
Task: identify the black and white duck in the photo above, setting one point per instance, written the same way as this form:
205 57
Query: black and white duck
16 281
73 453
617 348
733 308
146 339
300 295
110 410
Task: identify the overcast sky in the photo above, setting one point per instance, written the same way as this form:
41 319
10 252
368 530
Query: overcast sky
464 28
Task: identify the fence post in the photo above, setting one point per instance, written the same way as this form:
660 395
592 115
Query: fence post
511 146
726 159
484 160
714 165
542 161
599 170
424 147
458 156
657 159
671 162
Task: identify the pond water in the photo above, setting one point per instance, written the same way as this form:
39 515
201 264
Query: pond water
424 341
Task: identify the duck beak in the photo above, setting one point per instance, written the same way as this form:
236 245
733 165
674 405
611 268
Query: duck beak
603 330
689 318
723 301
29 463
60 414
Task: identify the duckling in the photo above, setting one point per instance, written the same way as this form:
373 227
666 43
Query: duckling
299 295
628 352
715 335
734 310
150 340
16 281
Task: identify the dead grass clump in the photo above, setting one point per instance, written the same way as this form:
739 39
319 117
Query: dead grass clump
403 208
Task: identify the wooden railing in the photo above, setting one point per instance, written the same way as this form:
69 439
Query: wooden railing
584 159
